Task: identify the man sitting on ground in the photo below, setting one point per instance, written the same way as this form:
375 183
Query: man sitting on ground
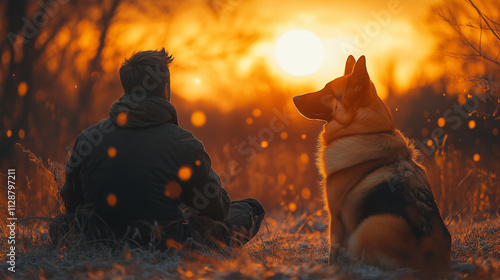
139 178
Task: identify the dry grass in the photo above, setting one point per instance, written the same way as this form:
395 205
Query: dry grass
290 245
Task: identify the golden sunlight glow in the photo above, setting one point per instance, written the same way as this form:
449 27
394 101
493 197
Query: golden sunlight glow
121 119
173 190
112 152
299 52
441 122
185 173
21 134
111 199
284 135
22 88
472 124
198 118
476 157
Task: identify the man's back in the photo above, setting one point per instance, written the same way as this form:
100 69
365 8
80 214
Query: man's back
129 170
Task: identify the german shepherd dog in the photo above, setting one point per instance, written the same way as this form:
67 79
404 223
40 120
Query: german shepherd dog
380 202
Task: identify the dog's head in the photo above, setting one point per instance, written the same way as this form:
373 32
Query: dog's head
349 104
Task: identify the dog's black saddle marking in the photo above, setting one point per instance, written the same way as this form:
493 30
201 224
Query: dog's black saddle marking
398 199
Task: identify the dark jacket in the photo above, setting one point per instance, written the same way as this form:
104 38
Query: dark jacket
126 169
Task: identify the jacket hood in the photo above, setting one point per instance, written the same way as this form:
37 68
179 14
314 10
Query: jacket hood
150 111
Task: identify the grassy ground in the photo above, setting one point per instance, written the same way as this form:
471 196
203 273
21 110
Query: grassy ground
290 247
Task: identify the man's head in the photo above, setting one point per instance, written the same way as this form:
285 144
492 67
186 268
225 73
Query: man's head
147 71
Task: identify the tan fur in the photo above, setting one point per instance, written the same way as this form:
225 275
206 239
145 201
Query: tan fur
385 240
359 149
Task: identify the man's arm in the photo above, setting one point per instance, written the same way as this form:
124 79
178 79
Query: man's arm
72 191
203 191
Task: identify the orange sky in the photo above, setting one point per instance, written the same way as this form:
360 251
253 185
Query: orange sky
387 32
225 50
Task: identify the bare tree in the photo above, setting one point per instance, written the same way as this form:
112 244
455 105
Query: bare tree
486 31
474 44
15 108
85 94
20 111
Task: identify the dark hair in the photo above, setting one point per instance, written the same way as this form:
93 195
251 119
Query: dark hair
146 71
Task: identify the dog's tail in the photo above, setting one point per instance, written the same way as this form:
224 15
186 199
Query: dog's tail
388 241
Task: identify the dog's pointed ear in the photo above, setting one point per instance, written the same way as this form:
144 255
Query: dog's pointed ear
349 65
358 85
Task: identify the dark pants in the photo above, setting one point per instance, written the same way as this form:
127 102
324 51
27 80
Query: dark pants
241 225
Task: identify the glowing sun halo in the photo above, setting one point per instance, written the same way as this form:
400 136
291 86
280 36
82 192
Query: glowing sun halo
299 52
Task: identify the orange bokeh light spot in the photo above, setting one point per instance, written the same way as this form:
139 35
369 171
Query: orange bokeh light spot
112 152
121 119
198 118
476 157
173 244
461 99
305 193
304 158
22 88
249 121
9 133
111 199
256 112
173 190
284 135
424 131
304 136
472 124
429 142
441 122
21 133
292 206
185 173
264 144
197 162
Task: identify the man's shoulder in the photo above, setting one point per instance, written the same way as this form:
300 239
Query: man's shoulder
183 135
171 131
98 130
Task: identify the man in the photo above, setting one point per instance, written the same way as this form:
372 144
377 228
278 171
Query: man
138 177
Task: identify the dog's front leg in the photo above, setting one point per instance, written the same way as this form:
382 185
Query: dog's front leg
337 233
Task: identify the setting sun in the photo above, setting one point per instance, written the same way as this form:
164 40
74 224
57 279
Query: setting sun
299 52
